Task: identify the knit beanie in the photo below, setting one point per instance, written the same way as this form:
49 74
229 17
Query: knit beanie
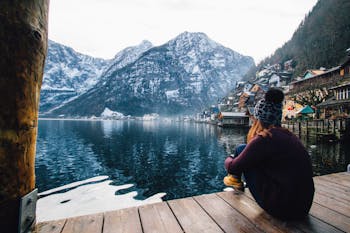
269 109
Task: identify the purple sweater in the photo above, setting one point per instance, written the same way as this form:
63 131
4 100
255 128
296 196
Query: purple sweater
283 173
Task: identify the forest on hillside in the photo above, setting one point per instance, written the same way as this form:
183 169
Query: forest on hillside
320 40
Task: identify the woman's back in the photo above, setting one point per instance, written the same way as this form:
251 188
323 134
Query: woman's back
284 175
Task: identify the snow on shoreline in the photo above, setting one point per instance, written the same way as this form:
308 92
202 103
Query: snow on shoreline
73 185
107 113
88 199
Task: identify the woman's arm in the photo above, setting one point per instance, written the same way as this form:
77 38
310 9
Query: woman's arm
252 156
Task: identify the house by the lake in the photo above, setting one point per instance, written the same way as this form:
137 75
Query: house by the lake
233 119
339 104
323 89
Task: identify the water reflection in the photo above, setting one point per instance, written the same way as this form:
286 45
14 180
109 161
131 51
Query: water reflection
230 138
179 159
328 157
62 157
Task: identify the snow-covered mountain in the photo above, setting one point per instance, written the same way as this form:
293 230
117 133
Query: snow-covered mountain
68 74
186 74
127 56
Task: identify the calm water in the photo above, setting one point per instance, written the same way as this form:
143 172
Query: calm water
179 159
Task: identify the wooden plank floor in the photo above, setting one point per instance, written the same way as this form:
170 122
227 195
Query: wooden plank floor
218 212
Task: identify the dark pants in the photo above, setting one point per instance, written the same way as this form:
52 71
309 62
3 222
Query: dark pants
249 176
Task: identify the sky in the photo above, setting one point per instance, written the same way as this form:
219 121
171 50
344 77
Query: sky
102 28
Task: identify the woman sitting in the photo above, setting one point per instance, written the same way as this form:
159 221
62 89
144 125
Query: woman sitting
275 164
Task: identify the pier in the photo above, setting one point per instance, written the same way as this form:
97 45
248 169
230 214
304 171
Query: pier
231 211
322 130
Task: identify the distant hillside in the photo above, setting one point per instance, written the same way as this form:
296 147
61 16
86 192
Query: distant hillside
320 40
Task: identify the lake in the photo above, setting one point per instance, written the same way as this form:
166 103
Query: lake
143 160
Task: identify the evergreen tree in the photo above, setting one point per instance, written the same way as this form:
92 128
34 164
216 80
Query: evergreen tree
320 40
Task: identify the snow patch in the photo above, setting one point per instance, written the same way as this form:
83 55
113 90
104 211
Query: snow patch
150 117
107 113
173 94
197 87
89 199
219 62
196 69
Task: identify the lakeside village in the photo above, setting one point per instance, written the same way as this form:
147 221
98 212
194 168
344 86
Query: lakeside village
320 99
318 94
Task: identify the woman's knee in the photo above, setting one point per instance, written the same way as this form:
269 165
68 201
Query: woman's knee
239 149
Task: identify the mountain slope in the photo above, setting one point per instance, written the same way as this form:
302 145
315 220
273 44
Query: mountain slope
320 40
69 74
184 75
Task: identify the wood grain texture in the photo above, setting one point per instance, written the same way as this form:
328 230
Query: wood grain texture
331 184
340 194
332 203
219 212
192 217
122 221
50 226
333 218
250 209
309 224
23 48
158 218
84 224
342 178
228 218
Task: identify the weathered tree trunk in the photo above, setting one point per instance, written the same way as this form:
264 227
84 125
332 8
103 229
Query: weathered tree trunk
23 48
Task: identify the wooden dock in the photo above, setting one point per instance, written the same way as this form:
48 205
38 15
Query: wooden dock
323 130
218 212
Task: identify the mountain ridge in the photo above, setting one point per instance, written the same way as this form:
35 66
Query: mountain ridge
183 75
68 73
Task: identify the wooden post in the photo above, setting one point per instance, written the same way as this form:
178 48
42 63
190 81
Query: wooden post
323 126
307 128
328 125
347 129
341 124
299 128
23 48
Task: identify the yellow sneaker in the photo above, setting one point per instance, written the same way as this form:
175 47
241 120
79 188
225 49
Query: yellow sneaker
234 182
